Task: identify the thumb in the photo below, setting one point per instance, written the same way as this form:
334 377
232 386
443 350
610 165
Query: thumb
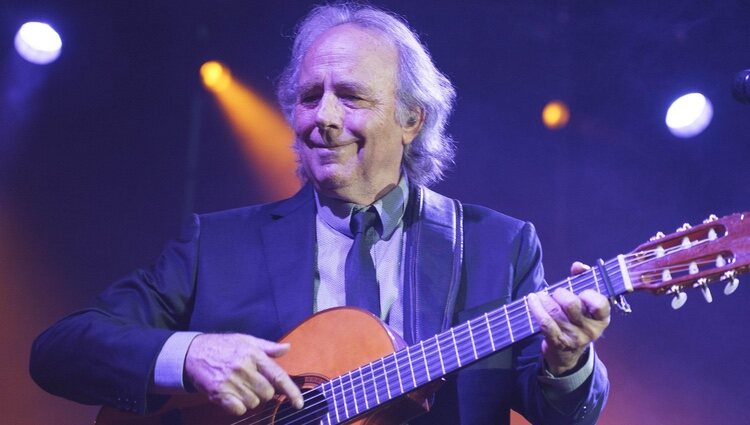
578 268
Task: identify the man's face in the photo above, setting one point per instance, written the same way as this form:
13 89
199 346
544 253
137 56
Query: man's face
348 138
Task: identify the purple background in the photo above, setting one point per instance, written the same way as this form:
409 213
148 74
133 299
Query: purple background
95 174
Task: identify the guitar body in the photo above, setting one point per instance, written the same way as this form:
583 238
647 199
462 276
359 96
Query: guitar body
326 345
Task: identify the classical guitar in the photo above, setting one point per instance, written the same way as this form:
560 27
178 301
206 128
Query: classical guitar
352 369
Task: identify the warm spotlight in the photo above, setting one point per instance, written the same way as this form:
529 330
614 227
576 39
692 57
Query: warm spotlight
215 75
689 115
555 115
38 43
260 128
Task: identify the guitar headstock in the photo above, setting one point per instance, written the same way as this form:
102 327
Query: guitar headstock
716 250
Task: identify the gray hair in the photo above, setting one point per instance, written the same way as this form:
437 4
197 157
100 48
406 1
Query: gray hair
420 86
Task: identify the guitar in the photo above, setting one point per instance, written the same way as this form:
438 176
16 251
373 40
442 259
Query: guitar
363 373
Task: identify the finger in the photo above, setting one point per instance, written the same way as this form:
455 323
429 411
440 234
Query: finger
571 305
564 335
249 398
231 403
595 304
273 349
260 386
578 268
281 381
547 324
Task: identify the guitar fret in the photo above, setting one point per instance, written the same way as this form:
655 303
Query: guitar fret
596 281
570 285
398 373
473 344
440 353
323 389
411 367
375 383
424 357
335 403
343 396
528 314
385 373
354 393
455 347
489 331
362 385
507 320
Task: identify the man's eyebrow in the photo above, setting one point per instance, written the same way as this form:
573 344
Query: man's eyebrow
348 86
353 87
308 87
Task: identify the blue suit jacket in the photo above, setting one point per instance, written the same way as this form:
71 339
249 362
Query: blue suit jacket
250 270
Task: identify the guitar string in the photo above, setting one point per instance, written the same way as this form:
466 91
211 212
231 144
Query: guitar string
348 397
358 373
462 336
638 257
463 330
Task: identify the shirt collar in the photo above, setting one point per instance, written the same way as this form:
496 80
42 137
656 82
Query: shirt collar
336 213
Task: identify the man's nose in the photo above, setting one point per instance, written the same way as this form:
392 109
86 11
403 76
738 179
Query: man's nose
329 114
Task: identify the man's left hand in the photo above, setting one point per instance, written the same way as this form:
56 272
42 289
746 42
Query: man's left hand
569 323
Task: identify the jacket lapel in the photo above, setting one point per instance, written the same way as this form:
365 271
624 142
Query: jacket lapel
289 246
432 263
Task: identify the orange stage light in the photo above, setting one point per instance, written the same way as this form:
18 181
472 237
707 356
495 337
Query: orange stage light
555 115
264 133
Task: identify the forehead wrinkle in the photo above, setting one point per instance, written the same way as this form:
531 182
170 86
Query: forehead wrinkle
346 51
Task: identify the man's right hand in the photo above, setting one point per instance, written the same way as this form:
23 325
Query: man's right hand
237 371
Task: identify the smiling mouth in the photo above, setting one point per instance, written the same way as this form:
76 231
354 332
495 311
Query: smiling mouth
327 146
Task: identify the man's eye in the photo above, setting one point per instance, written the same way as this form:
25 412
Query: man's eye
309 99
352 97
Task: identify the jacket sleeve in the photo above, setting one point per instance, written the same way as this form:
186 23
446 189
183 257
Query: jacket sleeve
105 354
581 406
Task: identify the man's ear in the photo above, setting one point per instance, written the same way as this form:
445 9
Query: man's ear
413 125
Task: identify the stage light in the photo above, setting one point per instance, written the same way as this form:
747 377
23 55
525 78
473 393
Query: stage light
689 115
38 43
215 76
555 115
260 128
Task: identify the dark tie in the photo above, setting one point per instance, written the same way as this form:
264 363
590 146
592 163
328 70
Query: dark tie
359 273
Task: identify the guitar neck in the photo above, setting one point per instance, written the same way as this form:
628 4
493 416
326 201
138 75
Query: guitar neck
389 377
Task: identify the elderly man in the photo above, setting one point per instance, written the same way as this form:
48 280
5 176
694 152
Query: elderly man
369 110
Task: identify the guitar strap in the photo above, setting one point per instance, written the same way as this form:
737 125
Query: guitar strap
433 252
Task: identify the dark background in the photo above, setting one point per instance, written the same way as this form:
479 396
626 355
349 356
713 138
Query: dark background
94 173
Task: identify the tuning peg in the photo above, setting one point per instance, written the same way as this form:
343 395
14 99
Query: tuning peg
666 275
684 227
693 268
720 261
678 300
657 236
705 290
712 236
686 242
731 286
710 219
733 283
